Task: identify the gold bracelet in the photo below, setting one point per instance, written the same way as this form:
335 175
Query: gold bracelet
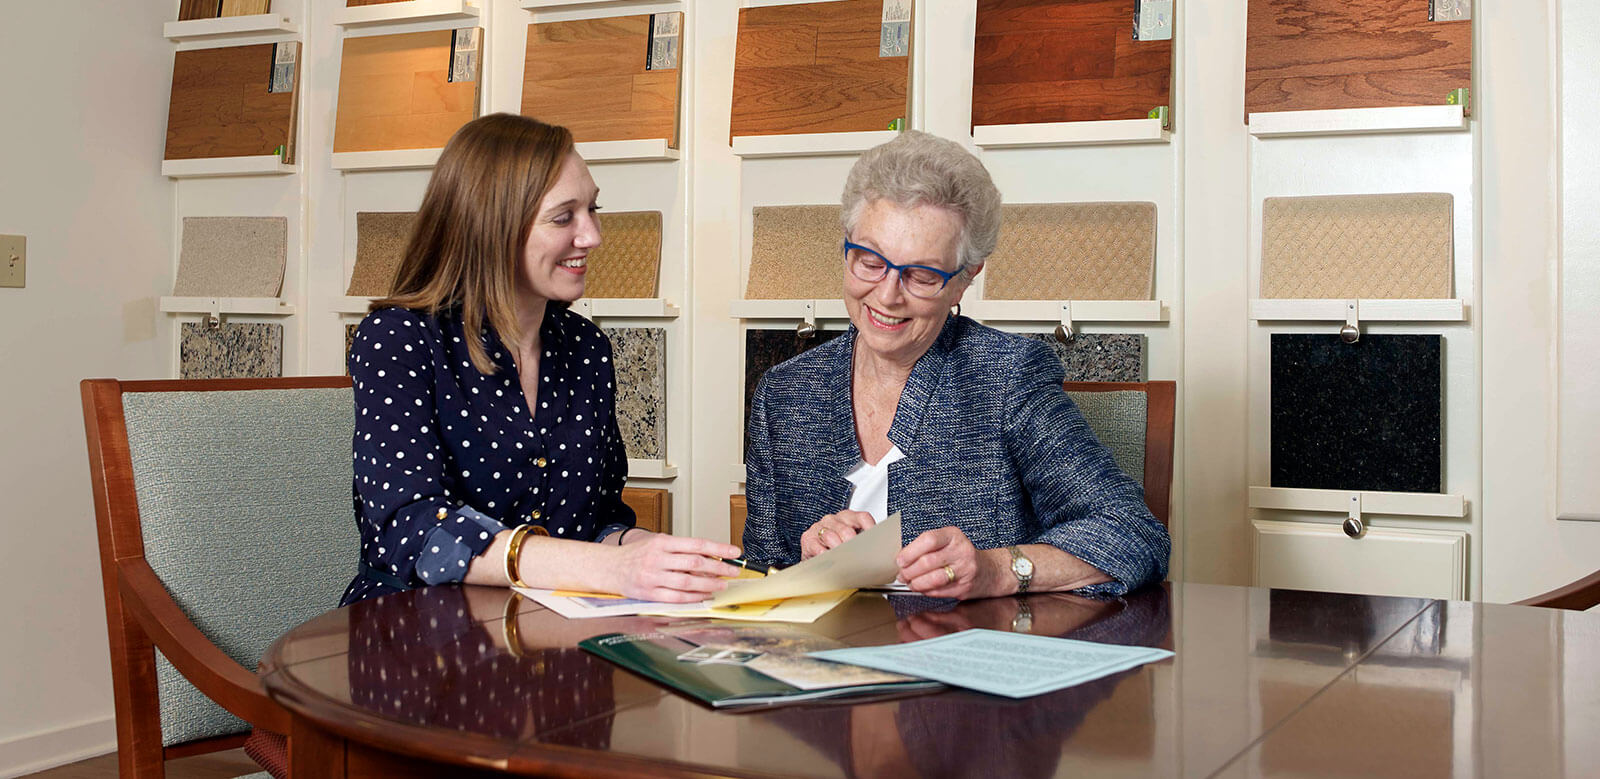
509 624
513 549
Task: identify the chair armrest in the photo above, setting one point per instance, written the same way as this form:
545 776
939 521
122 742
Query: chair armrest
217 676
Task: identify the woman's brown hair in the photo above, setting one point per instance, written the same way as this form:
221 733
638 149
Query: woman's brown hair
467 245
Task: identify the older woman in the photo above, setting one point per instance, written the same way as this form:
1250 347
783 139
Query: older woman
963 429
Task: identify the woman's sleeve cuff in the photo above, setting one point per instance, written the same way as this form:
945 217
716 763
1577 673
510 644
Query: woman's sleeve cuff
463 533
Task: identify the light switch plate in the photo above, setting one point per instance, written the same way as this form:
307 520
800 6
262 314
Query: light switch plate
13 260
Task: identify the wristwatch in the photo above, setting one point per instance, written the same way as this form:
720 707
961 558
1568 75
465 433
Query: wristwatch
1022 567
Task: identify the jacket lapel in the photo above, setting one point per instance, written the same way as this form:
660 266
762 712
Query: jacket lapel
920 388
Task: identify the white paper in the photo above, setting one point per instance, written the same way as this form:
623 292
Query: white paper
864 561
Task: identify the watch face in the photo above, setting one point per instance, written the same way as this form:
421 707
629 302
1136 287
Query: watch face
1022 566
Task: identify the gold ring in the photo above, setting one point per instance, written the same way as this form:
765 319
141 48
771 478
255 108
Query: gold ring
950 572
821 531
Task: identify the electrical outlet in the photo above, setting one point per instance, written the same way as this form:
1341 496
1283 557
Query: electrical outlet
13 260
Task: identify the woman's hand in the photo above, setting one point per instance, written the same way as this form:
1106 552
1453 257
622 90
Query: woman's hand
671 569
943 563
833 530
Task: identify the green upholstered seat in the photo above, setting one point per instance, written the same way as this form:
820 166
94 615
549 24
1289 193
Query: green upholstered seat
1118 420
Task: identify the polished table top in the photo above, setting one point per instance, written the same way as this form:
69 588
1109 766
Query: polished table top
1264 683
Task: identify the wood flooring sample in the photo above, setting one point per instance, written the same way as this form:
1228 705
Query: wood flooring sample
354 3
1065 61
199 9
1358 246
822 67
402 91
796 253
245 7
627 263
1074 251
1321 54
612 79
223 104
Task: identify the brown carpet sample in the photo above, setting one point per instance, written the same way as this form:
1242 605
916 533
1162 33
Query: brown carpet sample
381 238
1074 251
796 253
598 78
399 91
222 105
1358 246
627 263
232 257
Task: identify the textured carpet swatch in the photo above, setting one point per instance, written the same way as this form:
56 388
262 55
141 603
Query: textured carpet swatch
1074 251
627 264
232 257
237 350
1357 246
1361 416
640 357
1098 356
796 253
381 238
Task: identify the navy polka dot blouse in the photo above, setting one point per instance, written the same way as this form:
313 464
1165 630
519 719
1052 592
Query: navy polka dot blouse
446 457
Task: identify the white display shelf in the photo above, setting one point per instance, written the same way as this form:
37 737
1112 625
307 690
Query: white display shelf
227 27
809 144
536 5
1355 121
172 304
808 310
1355 311
647 150
346 304
651 469
399 159
1066 311
405 11
625 308
1043 135
1357 502
211 167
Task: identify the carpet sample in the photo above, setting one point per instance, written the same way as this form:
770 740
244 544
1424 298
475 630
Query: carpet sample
796 253
1358 246
627 263
381 238
1074 251
232 257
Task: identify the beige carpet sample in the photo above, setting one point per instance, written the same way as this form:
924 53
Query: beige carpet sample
627 263
381 238
1074 251
406 91
1357 246
232 256
796 253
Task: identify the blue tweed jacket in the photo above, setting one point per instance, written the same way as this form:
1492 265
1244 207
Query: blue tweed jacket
993 446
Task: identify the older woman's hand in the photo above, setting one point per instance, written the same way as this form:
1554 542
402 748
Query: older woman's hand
833 530
943 563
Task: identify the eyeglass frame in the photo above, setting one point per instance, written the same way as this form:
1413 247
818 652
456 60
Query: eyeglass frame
890 265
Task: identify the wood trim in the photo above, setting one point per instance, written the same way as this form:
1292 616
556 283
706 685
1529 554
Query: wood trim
652 507
1161 399
205 746
738 509
232 385
1580 595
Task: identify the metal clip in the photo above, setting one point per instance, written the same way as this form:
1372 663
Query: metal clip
1351 332
807 329
1064 331
214 318
1353 526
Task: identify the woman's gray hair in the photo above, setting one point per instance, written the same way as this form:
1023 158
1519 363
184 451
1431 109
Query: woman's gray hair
916 169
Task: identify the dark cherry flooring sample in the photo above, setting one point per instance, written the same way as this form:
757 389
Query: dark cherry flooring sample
764 349
1321 54
1361 416
1064 61
221 106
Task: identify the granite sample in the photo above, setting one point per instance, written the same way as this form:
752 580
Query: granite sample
232 257
1361 416
1098 356
381 238
796 253
766 348
640 357
1074 251
236 350
349 343
627 263
1358 246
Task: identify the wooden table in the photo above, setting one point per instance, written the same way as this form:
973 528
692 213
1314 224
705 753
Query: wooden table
1264 682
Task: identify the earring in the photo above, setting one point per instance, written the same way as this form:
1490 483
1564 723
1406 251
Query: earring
958 309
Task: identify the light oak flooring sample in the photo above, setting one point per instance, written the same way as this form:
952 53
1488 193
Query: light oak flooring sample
232 257
221 106
381 238
199 9
627 263
395 93
237 350
1074 251
595 77
640 357
1323 54
796 253
1357 246
816 68
354 3
245 7
1064 61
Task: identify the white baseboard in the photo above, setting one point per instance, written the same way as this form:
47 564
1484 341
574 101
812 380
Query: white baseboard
22 755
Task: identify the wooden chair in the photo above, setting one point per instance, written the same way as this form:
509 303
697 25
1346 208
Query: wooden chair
1135 421
1578 596
224 515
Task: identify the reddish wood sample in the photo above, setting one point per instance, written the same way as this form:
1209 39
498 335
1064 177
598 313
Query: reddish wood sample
1323 54
589 76
199 9
815 68
221 106
1064 61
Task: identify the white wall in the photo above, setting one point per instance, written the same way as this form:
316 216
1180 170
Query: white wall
82 125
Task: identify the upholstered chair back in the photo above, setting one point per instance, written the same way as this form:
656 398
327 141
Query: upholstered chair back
1118 420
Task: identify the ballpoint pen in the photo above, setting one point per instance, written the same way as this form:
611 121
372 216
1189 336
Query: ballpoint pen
749 565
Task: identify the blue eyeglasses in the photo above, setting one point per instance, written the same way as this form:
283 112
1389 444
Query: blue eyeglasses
919 281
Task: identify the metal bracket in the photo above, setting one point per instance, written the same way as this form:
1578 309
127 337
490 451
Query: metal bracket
1351 331
1064 331
1353 526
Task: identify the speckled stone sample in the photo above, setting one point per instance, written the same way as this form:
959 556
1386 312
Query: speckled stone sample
1098 356
232 257
1361 416
764 349
640 357
381 238
237 350
349 343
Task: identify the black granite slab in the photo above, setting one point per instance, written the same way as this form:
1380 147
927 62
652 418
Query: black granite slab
1098 356
764 349
1361 416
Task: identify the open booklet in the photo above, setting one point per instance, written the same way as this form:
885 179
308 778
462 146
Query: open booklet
745 665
